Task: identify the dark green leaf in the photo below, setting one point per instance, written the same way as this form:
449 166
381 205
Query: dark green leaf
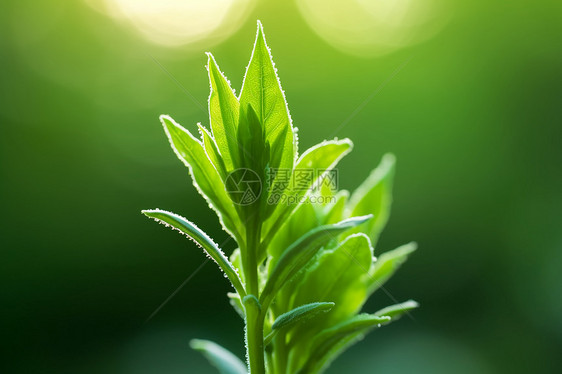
301 313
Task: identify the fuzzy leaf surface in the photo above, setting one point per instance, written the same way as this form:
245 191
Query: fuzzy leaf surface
205 177
223 112
297 256
323 156
202 239
337 275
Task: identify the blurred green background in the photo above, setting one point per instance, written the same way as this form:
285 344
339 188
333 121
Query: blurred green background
468 95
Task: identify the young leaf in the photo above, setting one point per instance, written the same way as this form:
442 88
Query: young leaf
223 113
304 219
374 196
387 264
199 237
335 212
224 360
297 256
254 154
397 310
262 90
212 151
337 275
323 156
333 341
205 177
301 313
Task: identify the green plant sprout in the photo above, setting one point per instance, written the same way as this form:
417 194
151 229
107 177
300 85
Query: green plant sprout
304 266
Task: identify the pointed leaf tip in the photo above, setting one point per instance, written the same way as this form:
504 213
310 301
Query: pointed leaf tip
194 233
301 313
396 311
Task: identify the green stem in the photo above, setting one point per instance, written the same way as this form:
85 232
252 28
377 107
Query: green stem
254 337
254 315
280 353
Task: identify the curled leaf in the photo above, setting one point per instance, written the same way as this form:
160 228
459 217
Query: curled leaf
199 237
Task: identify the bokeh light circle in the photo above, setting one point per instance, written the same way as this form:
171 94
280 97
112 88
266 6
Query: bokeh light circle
373 27
178 22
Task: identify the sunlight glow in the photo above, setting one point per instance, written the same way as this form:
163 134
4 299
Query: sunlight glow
373 27
179 22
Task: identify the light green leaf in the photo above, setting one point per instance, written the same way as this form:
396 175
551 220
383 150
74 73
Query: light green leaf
236 261
223 112
337 275
212 151
374 196
297 256
205 177
323 156
253 148
397 310
262 90
331 342
335 211
304 219
224 360
387 264
199 237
